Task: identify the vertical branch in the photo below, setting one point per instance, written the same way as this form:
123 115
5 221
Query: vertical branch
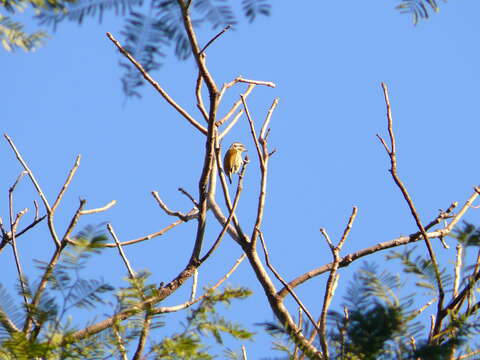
197 54
299 326
13 231
332 281
143 337
120 342
142 340
458 267
267 120
198 94
239 236
244 352
230 216
393 170
263 160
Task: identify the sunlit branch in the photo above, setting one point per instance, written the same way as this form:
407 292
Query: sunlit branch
121 252
393 170
402 240
169 309
98 210
157 86
215 38
39 191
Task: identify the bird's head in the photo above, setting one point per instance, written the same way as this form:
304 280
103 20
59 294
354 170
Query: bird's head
238 147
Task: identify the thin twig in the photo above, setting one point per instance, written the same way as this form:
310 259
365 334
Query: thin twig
332 281
252 130
403 189
255 82
7 323
157 86
193 291
13 242
39 191
230 125
199 58
299 326
198 94
120 251
186 193
142 340
74 220
267 120
230 216
120 342
67 183
402 240
215 38
422 309
469 355
244 352
458 267
239 236
263 160
30 173
178 214
100 209
35 222
235 105
36 209
463 210
43 284
144 238
280 278
169 309
13 229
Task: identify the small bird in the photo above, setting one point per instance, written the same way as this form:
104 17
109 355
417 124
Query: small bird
233 159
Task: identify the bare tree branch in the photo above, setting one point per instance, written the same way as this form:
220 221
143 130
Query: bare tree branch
100 209
214 38
402 240
157 86
393 170
39 191
121 252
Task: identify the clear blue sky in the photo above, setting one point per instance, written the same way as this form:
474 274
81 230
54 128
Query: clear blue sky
328 60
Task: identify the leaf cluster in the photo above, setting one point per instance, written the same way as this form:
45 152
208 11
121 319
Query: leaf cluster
419 9
202 322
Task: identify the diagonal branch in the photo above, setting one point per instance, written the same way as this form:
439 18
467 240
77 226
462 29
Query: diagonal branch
157 86
402 240
214 38
39 191
393 170
284 283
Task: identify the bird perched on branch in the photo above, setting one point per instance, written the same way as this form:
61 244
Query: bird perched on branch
233 159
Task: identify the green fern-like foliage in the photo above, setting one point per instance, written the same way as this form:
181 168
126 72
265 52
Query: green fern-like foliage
378 323
467 234
374 323
145 36
203 321
254 8
79 10
66 290
423 269
216 12
13 37
419 9
149 31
